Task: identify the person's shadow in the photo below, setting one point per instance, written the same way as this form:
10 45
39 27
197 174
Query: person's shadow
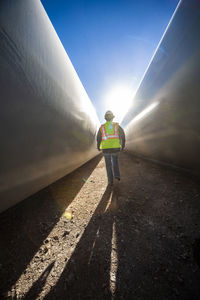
38 285
87 274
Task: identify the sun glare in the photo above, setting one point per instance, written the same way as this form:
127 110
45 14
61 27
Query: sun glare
118 100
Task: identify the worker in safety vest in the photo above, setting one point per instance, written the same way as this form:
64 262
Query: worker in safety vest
111 140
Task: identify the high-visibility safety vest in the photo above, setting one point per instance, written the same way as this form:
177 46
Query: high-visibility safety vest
110 136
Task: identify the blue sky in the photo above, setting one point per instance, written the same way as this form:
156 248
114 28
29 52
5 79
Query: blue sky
110 44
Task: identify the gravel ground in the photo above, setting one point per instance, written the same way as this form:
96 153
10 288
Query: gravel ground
139 239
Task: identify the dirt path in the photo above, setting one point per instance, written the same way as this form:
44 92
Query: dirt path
137 240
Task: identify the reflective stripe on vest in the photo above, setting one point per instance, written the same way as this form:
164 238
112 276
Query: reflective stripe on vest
106 135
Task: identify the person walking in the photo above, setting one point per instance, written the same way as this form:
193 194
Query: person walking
111 140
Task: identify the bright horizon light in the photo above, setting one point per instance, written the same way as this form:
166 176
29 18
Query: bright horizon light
118 100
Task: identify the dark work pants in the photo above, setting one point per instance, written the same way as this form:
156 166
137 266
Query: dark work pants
112 166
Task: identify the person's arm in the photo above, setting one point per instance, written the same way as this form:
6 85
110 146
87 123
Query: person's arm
99 138
122 137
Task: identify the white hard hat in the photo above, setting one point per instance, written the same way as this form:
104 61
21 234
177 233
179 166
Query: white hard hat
109 114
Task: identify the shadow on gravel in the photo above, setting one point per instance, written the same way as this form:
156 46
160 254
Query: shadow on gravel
138 243
142 242
24 227
87 274
35 290
156 223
